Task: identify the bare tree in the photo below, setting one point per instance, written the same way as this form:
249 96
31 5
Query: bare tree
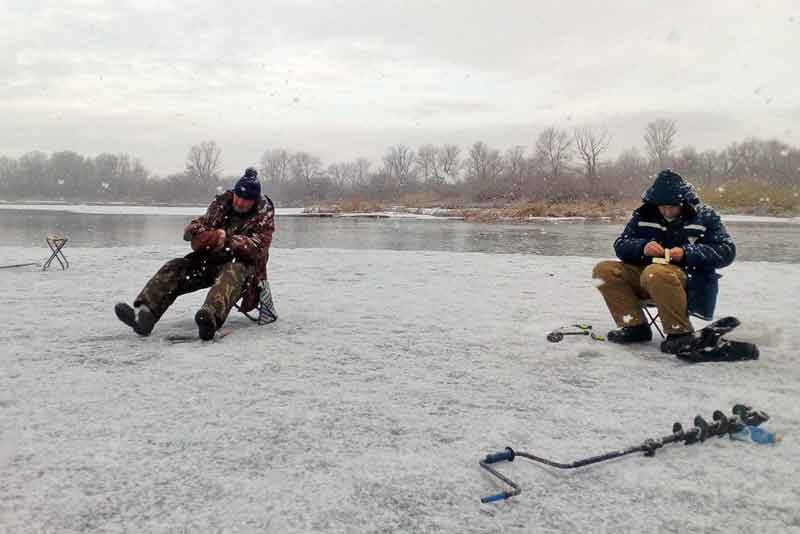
203 162
707 166
32 174
659 137
776 161
590 144
630 163
749 155
398 165
516 168
554 149
728 161
343 175
113 173
275 165
305 169
428 163
450 161
630 173
688 161
138 172
362 172
8 172
483 164
71 171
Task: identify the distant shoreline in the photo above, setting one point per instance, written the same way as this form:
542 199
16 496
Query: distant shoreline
530 213
533 212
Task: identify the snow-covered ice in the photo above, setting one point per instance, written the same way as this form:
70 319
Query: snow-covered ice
366 407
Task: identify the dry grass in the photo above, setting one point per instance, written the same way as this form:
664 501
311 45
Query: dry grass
352 205
755 199
741 198
515 212
574 208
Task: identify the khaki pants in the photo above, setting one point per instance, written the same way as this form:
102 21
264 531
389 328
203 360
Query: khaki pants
624 286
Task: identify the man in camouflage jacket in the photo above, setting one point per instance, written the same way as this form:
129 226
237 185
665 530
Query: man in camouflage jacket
230 246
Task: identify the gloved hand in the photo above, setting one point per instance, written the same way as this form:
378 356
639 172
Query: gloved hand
239 244
208 241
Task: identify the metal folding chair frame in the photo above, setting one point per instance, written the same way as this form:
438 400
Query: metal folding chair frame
652 319
56 244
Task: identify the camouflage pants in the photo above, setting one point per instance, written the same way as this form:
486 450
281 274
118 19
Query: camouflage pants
186 275
624 286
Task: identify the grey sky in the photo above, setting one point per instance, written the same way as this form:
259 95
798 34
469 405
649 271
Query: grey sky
347 78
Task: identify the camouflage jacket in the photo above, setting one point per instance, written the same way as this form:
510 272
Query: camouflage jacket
254 229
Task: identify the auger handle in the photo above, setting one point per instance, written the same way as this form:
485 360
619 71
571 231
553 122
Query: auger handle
503 495
507 454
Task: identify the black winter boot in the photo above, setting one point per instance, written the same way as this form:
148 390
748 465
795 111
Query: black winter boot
206 324
125 313
141 320
724 351
631 334
145 320
676 343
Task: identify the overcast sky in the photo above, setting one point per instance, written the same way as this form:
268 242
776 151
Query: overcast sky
347 78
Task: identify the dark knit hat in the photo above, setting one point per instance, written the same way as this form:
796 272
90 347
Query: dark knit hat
669 188
248 187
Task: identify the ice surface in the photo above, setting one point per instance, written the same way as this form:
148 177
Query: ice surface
366 407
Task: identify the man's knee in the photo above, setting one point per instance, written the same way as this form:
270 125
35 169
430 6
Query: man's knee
606 271
235 270
659 275
232 277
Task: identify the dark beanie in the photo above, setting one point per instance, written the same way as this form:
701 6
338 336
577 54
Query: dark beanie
669 188
248 187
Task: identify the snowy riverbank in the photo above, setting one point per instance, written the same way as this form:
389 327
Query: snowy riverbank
400 213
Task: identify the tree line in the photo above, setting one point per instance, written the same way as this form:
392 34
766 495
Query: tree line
558 165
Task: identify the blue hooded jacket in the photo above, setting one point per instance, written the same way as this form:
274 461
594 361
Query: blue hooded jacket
698 230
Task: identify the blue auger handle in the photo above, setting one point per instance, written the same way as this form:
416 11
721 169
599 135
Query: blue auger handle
496 497
507 454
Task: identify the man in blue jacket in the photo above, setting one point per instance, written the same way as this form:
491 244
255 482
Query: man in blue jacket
674 220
